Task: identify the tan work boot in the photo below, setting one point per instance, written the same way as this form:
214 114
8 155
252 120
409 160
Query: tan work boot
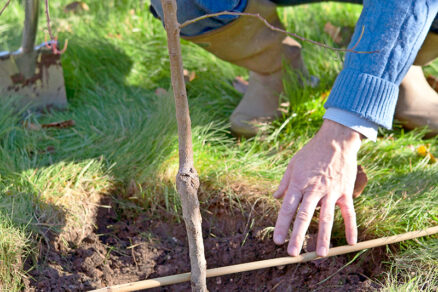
417 105
428 51
247 42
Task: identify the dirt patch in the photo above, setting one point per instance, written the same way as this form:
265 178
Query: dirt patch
127 247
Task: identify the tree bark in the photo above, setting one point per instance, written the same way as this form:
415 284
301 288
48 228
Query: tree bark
187 181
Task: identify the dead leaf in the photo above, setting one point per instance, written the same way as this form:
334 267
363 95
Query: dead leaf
161 92
59 125
433 82
424 151
240 84
340 35
310 241
284 107
76 6
189 76
361 181
48 150
324 95
115 36
31 126
334 32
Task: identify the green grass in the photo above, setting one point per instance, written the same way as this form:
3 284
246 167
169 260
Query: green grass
124 141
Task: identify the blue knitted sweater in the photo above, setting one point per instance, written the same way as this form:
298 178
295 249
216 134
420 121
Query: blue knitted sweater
368 84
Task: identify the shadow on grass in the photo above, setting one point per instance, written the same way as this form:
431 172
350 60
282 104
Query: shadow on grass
26 220
43 172
122 136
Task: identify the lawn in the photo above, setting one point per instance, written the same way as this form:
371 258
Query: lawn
124 145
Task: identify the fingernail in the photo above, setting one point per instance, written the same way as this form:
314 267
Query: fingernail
293 252
322 251
279 238
276 195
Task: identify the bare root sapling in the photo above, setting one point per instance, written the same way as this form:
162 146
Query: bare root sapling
187 181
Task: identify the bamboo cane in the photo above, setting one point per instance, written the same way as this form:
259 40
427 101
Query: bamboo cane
180 278
187 181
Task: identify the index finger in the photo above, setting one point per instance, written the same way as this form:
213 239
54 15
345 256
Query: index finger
302 222
286 213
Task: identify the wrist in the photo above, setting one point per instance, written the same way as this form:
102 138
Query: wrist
355 122
341 135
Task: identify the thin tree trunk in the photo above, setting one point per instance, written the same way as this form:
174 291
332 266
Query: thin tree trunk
187 181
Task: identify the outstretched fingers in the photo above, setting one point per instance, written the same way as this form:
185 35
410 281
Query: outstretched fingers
347 210
286 214
326 218
301 224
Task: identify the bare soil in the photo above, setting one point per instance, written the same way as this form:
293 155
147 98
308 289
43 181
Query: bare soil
128 246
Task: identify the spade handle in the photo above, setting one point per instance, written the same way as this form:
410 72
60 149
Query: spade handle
30 26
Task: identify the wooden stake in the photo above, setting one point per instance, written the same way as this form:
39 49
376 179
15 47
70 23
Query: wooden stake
187 181
180 278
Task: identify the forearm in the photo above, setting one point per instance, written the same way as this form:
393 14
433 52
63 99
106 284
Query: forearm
368 84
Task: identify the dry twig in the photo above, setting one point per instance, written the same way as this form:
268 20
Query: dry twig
5 6
53 44
187 180
262 19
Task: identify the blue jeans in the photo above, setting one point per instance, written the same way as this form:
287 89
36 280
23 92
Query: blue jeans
189 9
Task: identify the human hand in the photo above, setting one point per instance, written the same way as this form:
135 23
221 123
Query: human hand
322 172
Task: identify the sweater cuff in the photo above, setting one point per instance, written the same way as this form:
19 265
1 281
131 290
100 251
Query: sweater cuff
353 121
368 96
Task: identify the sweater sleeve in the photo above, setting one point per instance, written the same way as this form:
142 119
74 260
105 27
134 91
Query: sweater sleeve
368 84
